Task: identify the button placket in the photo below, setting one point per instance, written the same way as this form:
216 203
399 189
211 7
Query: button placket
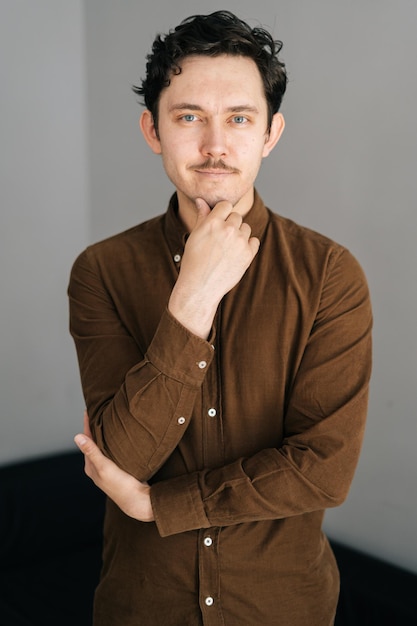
213 450
209 573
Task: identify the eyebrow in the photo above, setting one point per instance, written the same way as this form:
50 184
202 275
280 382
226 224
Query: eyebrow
181 106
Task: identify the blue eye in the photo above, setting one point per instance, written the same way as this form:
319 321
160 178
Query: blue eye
189 117
239 119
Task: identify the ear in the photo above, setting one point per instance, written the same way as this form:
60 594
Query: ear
148 129
275 132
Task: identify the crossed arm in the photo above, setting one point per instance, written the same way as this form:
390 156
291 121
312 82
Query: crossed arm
313 467
224 241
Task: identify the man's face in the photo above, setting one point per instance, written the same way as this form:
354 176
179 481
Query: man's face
212 131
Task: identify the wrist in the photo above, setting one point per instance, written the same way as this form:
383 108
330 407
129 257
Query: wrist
142 508
193 312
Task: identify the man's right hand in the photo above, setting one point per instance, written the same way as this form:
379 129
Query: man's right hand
217 254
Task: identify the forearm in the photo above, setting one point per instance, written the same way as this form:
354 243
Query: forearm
272 484
147 417
313 466
140 401
309 472
139 388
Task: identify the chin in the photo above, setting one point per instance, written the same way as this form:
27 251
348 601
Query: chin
213 200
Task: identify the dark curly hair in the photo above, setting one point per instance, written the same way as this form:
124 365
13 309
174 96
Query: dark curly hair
219 33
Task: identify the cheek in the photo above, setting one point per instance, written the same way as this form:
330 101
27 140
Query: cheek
253 145
176 152
253 153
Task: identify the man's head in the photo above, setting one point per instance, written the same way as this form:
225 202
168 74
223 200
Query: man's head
213 35
212 94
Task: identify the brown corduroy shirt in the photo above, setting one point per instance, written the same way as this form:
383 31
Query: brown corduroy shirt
245 438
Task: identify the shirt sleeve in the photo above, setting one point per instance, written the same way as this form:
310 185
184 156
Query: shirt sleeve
324 426
139 405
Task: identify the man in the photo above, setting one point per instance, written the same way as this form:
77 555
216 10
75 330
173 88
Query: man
225 359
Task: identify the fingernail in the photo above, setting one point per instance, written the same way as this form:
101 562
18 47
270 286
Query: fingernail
80 440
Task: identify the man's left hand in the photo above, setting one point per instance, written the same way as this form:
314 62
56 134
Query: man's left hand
130 495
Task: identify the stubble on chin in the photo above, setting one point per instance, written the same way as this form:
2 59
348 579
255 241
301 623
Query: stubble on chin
216 195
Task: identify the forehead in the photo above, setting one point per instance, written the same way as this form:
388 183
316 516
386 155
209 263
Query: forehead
212 81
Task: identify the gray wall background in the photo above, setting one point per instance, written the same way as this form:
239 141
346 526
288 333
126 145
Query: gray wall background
75 169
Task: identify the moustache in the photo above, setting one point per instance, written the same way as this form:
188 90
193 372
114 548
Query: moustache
210 164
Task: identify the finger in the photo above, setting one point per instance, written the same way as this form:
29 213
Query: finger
92 457
83 442
235 219
223 209
94 461
254 244
245 229
90 450
87 429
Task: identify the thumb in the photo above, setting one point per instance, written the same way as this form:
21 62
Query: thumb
203 209
86 445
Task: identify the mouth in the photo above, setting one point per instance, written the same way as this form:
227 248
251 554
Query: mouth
207 172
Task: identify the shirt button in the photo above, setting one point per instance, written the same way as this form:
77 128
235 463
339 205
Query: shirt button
181 420
212 412
209 601
177 258
208 541
202 364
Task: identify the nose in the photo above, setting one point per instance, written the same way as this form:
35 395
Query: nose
214 140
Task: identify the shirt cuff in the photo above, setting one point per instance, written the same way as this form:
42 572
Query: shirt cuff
178 353
177 505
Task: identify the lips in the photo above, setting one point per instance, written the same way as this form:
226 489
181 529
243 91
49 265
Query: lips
215 172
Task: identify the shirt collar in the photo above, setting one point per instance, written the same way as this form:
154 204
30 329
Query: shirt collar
176 233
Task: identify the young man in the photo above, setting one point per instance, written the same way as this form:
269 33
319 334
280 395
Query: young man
225 359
